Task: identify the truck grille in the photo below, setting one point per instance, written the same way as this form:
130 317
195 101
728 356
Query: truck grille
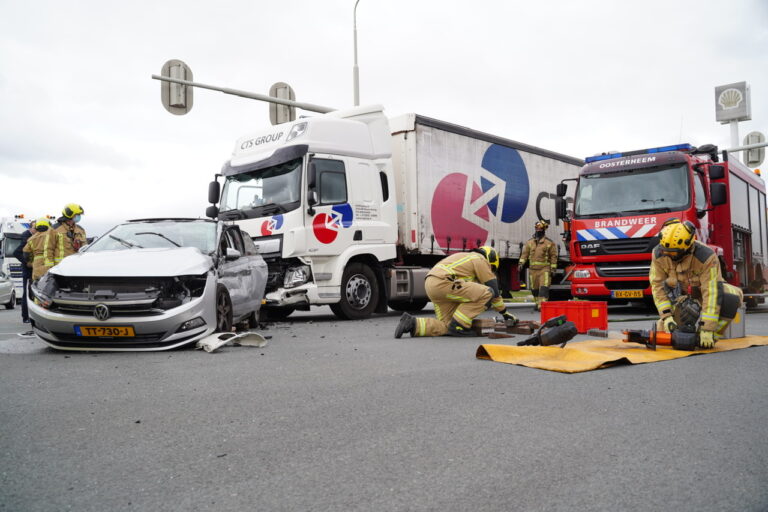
15 270
640 269
629 245
627 285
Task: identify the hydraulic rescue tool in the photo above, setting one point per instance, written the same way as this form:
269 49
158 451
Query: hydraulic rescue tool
555 331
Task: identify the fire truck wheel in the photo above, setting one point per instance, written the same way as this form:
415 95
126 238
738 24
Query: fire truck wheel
359 293
411 306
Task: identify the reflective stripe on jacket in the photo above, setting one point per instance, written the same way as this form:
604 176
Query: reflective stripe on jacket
541 253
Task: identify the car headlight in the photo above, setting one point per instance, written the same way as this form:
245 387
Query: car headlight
296 276
582 274
297 130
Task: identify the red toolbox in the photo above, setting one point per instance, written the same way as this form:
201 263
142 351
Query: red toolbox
586 314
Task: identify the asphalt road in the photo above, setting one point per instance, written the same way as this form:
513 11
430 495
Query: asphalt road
341 416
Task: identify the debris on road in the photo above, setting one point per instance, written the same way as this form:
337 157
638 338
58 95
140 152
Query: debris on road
244 339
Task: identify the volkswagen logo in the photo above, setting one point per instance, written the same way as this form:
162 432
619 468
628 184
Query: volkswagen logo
101 312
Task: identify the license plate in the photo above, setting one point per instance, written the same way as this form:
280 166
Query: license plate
627 294
111 331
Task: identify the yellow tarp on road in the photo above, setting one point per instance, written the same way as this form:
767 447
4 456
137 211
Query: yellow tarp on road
583 356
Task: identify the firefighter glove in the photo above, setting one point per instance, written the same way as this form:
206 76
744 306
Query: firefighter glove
509 318
669 324
707 339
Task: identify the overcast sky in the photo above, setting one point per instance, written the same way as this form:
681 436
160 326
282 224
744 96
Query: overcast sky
81 119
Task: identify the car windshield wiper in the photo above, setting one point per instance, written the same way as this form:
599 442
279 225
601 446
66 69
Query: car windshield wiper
125 243
160 235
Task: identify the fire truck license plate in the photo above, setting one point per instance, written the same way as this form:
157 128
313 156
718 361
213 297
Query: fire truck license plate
114 331
627 294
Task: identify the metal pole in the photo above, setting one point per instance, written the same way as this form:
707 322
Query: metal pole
355 70
249 95
735 134
747 147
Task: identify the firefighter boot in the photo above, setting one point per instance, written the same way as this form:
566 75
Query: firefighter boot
456 329
407 324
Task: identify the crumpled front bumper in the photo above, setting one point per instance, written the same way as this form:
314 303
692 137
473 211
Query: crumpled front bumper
152 332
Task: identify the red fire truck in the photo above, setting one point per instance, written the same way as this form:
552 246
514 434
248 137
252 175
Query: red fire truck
622 199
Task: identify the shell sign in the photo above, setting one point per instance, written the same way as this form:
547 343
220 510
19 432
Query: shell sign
732 103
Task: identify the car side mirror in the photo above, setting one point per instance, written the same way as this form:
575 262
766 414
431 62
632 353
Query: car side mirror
214 192
561 189
212 212
232 254
718 194
716 172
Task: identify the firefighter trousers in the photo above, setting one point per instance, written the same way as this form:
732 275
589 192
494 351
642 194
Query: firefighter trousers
540 281
733 298
453 300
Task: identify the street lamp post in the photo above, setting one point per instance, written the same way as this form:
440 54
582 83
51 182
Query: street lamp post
355 70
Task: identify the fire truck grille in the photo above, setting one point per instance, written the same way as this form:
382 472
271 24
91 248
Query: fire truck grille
624 270
626 285
629 245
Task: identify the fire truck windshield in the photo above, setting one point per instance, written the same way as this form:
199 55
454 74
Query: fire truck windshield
645 190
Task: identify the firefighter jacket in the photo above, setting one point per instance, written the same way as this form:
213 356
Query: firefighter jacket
472 267
62 241
34 254
540 253
698 274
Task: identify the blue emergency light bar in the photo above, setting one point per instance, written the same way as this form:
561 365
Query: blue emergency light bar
662 149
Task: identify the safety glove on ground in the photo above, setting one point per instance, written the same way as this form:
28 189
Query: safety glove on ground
407 324
707 339
509 318
669 324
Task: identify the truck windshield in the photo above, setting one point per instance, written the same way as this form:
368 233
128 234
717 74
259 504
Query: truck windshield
263 192
655 189
10 243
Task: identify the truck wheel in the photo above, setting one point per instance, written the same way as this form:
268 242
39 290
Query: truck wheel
276 313
408 305
359 293
12 302
223 310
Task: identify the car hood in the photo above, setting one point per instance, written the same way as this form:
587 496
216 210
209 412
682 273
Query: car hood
162 262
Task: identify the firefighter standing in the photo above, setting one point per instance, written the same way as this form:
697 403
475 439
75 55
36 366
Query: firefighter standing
541 255
460 286
26 271
682 267
34 249
65 238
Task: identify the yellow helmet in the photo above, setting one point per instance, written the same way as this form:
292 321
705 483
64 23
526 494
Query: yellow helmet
541 225
42 224
490 254
71 210
677 237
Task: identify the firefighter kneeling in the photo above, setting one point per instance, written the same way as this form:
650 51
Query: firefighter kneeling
461 286
685 279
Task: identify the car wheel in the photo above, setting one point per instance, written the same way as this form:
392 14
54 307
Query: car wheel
359 293
276 313
223 310
11 303
408 305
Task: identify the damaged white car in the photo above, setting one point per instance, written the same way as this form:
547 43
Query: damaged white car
152 284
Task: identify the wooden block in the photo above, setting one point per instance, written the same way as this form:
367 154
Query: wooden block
483 326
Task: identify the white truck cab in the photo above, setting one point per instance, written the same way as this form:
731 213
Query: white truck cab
11 229
315 197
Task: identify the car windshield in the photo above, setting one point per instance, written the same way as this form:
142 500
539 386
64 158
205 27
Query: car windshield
272 190
656 189
160 234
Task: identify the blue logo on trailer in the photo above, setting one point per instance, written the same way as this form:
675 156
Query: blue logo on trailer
506 164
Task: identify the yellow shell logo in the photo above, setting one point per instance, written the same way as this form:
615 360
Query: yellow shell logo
730 98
